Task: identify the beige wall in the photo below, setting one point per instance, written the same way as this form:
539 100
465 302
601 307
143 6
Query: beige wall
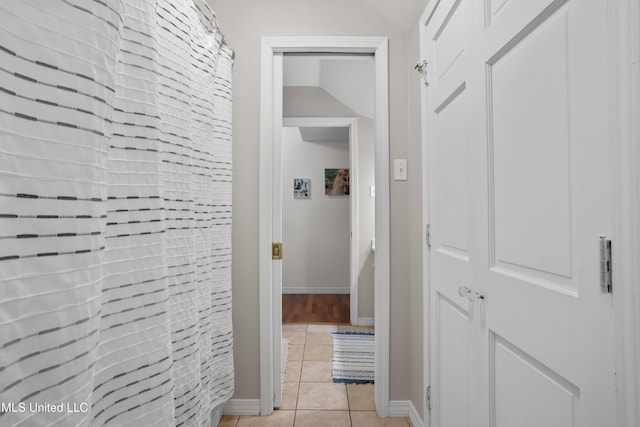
311 101
244 22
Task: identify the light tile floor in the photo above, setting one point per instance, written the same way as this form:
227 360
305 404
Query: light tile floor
310 398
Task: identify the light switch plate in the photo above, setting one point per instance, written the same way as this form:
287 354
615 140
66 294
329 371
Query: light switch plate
400 169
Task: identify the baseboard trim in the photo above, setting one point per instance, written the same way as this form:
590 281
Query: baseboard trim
405 409
242 407
399 408
366 321
414 417
316 291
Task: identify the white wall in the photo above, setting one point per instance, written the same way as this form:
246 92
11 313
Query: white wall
315 231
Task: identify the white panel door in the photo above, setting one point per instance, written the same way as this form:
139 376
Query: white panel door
449 188
520 193
546 200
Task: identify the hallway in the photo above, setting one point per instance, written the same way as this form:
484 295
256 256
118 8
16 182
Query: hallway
310 398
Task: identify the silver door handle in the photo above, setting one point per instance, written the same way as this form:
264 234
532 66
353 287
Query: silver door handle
470 294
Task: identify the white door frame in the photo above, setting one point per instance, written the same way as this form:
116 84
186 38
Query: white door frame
352 124
270 126
426 264
624 43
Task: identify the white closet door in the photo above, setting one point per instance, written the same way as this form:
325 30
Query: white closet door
520 194
449 186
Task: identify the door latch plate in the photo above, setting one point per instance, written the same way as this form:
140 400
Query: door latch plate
276 251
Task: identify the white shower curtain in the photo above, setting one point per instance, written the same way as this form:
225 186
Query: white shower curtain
115 213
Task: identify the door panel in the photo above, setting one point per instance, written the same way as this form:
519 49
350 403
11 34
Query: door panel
495 7
449 40
449 187
447 44
548 202
504 19
526 393
452 363
519 193
452 179
528 115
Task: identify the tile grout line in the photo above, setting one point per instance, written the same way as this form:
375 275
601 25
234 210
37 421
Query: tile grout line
304 349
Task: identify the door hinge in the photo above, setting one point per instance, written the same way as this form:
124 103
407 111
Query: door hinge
606 272
427 397
428 236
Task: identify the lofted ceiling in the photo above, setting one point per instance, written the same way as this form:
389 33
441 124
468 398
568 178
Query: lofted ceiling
348 78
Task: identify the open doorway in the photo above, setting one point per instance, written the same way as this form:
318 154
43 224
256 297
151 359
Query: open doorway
318 210
329 128
273 50
328 224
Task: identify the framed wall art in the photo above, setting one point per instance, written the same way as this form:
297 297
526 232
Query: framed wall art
336 182
301 188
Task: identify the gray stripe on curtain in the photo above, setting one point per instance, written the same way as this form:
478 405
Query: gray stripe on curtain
115 213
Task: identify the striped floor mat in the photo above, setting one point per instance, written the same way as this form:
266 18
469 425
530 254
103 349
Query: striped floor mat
353 357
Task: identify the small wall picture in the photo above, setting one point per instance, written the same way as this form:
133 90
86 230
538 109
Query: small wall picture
301 188
336 182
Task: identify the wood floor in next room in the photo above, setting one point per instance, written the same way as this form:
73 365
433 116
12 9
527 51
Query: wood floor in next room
306 308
